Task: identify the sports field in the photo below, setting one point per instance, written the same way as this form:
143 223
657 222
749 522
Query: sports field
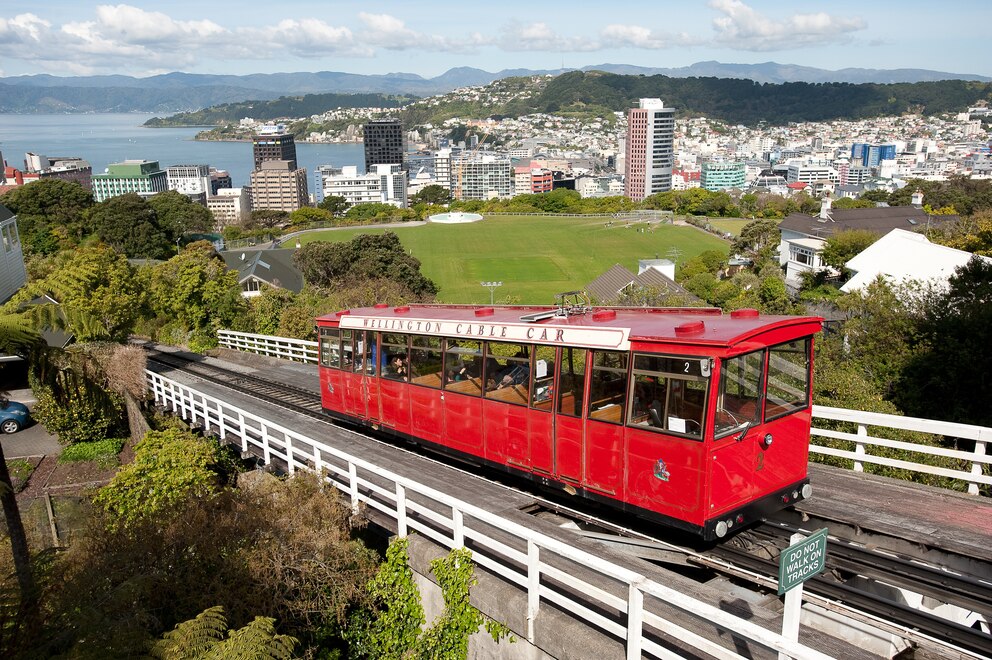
534 256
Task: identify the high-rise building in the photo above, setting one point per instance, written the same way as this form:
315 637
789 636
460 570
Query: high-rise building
66 168
274 143
870 155
143 177
650 153
385 143
278 186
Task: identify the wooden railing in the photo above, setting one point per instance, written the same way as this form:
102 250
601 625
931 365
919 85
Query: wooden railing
297 350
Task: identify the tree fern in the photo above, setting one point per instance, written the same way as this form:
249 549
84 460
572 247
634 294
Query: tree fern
194 638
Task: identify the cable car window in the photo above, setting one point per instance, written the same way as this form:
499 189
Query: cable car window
571 381
395 354
608 386
739 401
542 385
507 372
330 350
366 353
347 349
463 366
788 378
425 360
669 394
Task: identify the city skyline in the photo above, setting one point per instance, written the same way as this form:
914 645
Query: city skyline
64 37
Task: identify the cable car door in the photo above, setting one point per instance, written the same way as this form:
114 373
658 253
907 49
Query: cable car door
352 360
569 421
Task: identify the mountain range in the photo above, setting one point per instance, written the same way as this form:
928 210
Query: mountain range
188 91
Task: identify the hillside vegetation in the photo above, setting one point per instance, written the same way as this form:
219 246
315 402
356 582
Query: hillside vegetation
595 93
284 106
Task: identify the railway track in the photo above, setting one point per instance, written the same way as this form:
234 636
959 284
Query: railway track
751 556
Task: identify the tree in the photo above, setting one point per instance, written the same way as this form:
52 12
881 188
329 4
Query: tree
193 294
130 224
845 245
177 214
97 294
432 194
948 378
372 210
366 257
334 204
308 215
267 218
758 241
852 203
49 213
973 234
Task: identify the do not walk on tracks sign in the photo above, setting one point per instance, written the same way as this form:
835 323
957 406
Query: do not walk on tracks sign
801 561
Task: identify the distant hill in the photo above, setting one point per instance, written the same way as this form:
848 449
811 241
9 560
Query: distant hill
174 92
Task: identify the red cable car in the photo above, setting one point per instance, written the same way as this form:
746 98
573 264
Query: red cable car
689 417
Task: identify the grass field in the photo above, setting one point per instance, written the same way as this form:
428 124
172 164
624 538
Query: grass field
534 257
730 225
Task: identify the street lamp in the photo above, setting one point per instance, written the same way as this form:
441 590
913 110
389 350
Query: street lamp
492 286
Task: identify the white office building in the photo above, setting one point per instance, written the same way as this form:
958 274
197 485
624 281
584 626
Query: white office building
385 184
483 177
189 179
230 206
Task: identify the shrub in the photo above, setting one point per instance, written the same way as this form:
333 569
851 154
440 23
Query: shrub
86 413
102 452
169 467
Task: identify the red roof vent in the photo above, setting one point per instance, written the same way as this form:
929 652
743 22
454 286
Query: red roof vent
343 312
402 310
689 328
604 315
746 313
380 306
485 311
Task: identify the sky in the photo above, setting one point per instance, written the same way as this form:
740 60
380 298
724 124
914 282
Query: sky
428 37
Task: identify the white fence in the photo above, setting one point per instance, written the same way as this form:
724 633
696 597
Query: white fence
306 351
524 559
978 458
297 350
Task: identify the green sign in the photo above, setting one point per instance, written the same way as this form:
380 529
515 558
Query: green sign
801 561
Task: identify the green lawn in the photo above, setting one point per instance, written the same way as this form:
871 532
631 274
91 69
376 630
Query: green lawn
730 225
534 257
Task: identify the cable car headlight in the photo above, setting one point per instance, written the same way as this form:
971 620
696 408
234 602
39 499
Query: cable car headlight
807 491
721 529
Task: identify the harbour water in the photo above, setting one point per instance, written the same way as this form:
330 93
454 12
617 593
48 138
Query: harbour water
111 138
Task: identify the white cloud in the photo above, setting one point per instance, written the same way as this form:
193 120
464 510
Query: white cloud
636 36
26 29
517 36
743 28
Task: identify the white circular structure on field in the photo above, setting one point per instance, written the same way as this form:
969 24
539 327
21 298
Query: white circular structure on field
455 218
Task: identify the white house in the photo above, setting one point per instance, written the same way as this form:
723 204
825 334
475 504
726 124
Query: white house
901 256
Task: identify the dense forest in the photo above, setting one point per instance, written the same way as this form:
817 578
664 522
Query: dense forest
732 100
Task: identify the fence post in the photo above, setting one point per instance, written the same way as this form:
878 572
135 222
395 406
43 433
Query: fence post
859 448
635 618
265 443
221 422
457 528
401 529
353 486
976 467
533 587
290 461
244 432
318 464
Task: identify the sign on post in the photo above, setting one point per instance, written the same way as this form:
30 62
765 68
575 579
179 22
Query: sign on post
801 561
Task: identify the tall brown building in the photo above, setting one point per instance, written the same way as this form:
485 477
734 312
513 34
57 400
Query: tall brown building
280 186
274 143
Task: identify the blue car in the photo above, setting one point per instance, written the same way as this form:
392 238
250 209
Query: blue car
13 416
